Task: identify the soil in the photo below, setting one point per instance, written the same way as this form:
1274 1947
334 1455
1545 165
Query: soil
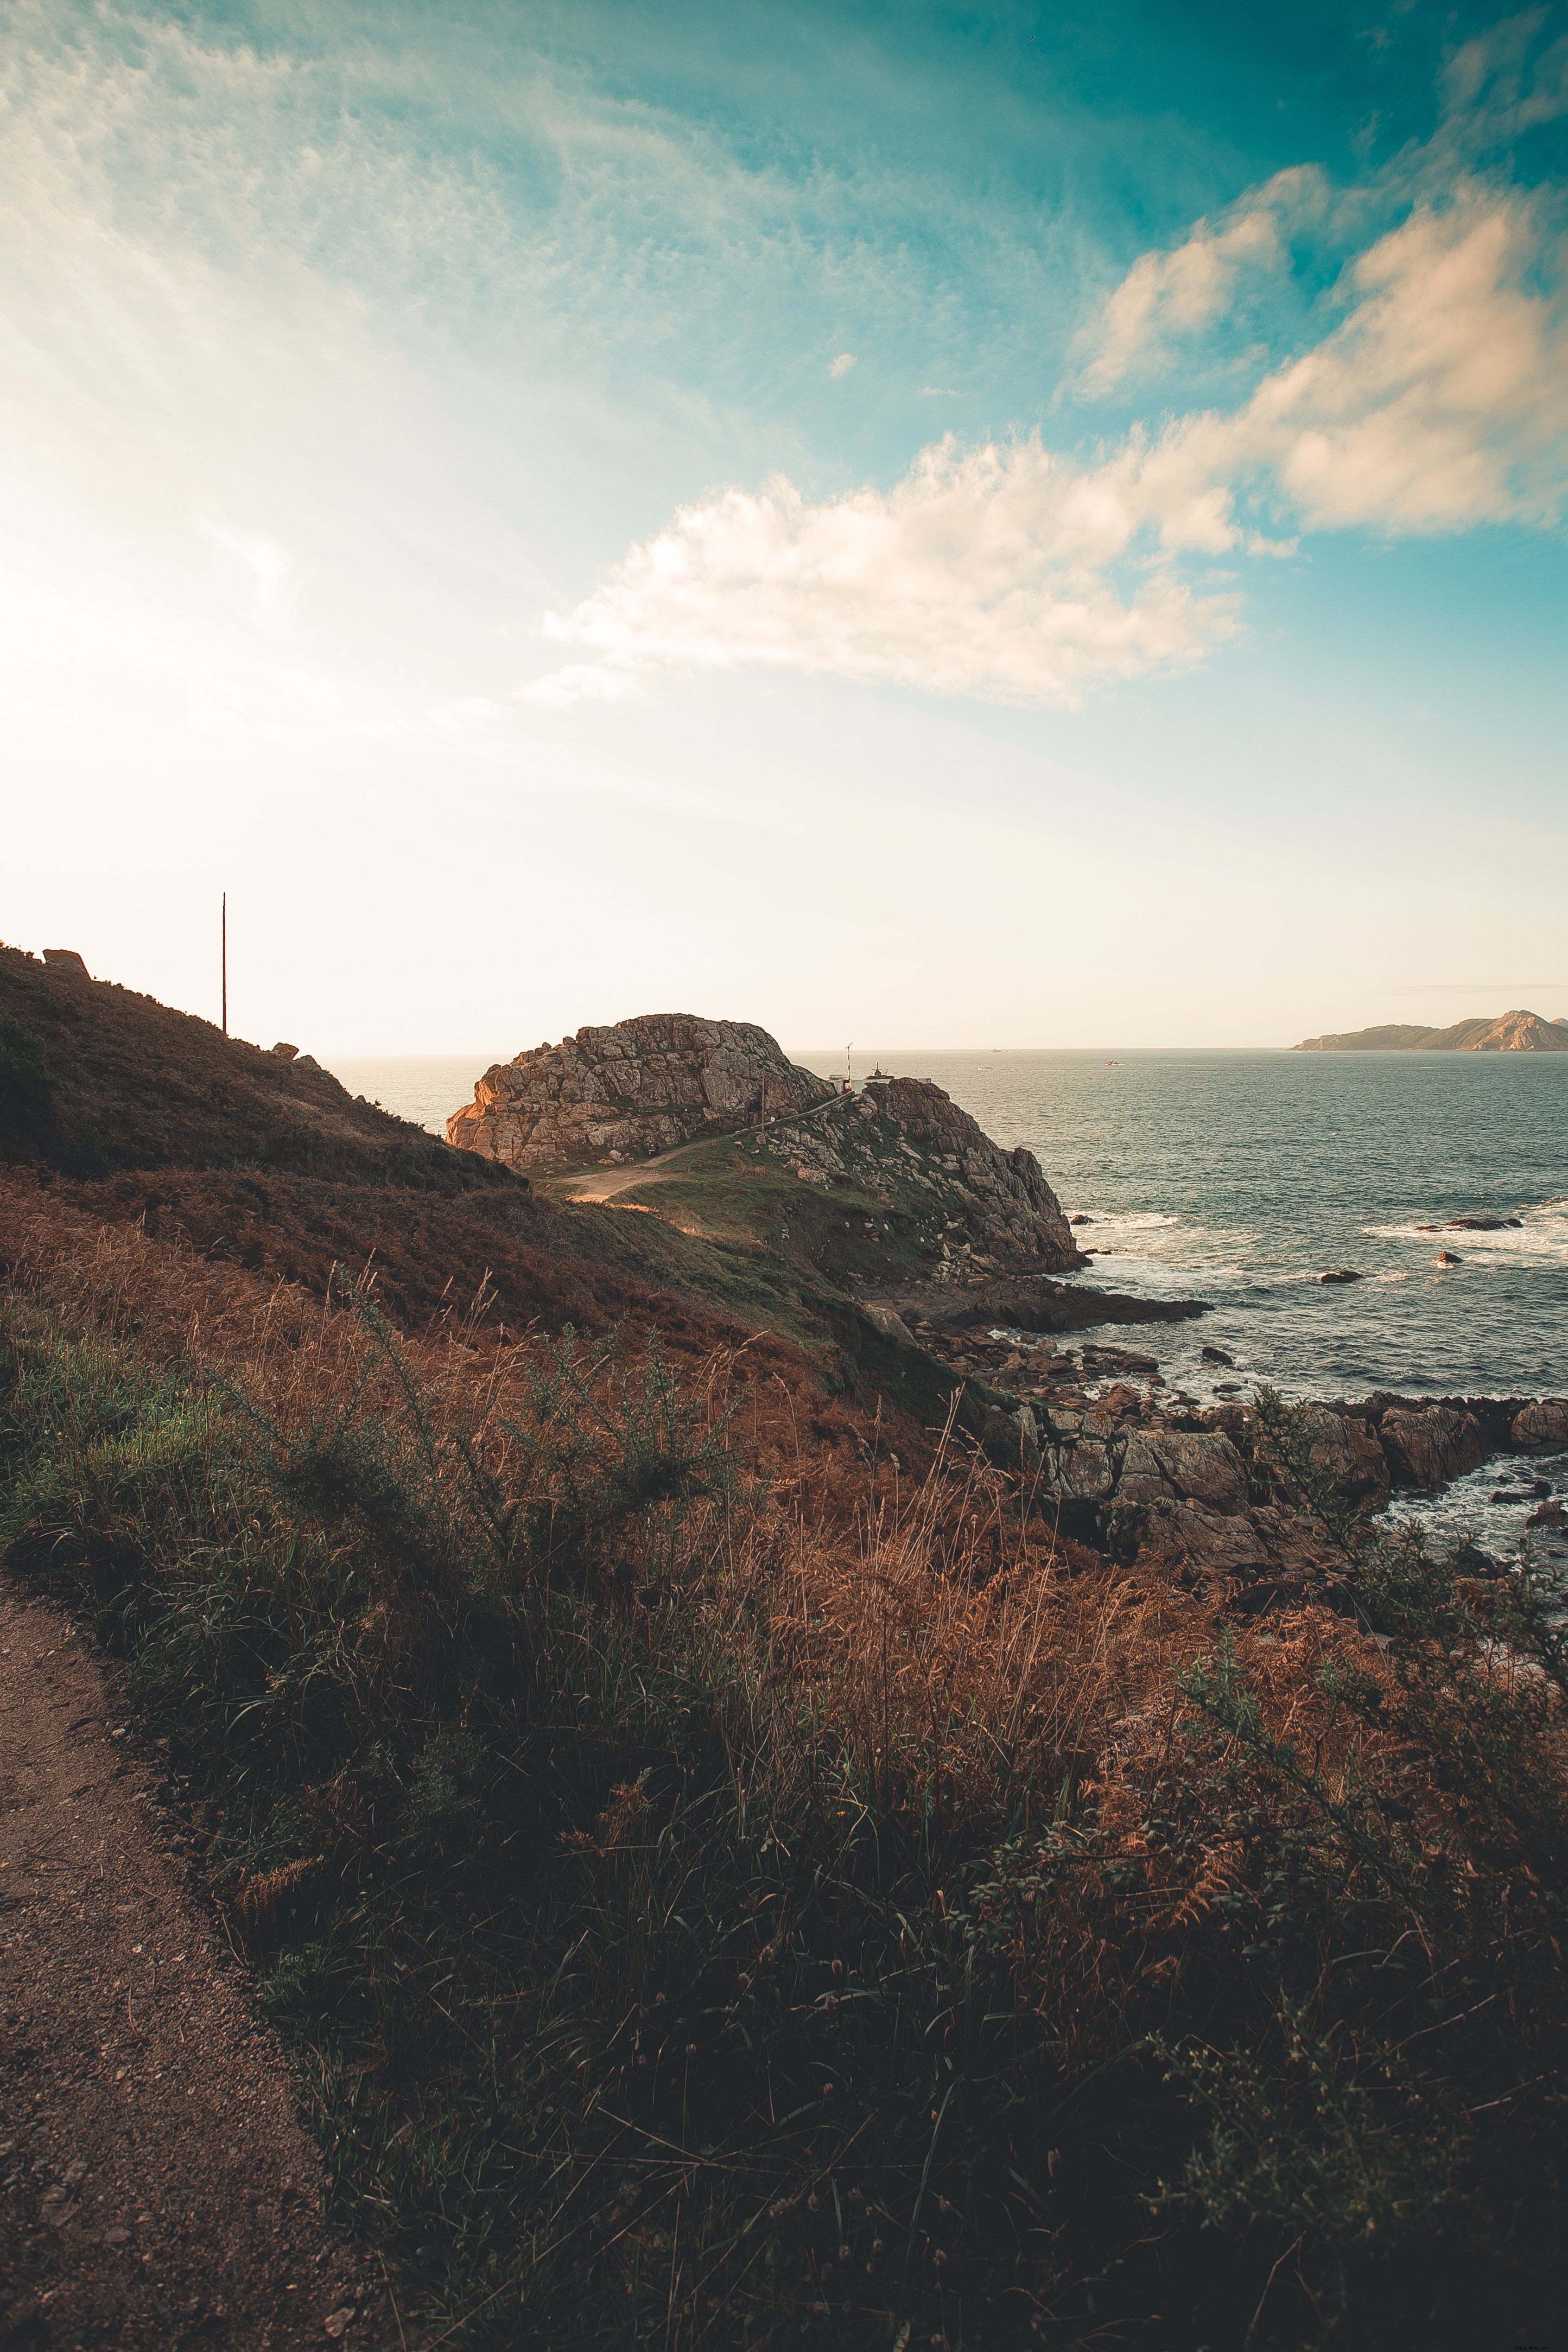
157 2186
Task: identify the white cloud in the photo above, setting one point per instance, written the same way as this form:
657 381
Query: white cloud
1012 572
994 571
1441 401
1167 294
843 364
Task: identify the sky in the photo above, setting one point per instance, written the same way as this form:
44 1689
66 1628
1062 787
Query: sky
1001 526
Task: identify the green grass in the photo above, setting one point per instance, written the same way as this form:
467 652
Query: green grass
641 2003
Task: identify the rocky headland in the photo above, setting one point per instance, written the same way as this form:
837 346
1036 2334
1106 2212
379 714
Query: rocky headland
629 1091
1510 1033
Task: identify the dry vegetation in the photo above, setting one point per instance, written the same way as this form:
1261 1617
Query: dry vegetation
734 1876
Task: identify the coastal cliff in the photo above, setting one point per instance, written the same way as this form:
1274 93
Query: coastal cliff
1510 1033
631 1089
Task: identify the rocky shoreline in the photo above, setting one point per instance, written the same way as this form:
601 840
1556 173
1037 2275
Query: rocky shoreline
1153 1478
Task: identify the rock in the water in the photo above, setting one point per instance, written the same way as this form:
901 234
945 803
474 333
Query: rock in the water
1447 1257
1432 1444
1218 1356
1340 1274
1550 1515
641 1085
1541 1427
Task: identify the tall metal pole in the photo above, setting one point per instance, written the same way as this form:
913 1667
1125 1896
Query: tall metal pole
225 937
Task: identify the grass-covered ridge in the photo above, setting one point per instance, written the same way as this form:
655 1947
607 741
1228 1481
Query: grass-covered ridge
715 1909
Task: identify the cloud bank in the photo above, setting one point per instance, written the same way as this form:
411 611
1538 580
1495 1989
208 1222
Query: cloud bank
1436 401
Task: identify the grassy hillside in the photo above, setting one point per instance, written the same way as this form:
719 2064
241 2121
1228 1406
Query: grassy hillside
723 1890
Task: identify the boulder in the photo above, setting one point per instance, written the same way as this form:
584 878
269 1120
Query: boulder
1430 1444
285 1052
891 1326
1185 1536
1340 1274
639 1086
1200 1466
67 960
1082 1472
1541 1427
1348 1449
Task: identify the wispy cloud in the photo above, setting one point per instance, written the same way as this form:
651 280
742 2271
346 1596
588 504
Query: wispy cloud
1433 397
843 364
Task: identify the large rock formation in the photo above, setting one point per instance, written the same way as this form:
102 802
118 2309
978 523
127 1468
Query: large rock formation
622 1092
904 1139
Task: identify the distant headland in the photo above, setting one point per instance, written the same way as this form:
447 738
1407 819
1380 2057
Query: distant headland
1510 1033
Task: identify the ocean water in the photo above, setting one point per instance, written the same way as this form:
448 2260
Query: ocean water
1238 1177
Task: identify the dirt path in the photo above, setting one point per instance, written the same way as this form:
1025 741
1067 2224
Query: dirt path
157 2189
605 1183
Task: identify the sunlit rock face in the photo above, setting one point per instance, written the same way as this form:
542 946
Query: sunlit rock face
638 1086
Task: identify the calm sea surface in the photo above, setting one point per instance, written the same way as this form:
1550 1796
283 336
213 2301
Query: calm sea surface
1239 1177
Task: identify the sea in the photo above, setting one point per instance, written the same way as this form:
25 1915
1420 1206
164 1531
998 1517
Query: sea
1239 1177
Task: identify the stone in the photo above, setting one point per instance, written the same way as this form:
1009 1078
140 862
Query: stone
1082 1472
1428 1446
1447 1257
1218 1356
891 1326
1549 1515
285 1052
1348 1450
67 960
1541 1427
1201 1466
1185 1535
639 1086
1340 1274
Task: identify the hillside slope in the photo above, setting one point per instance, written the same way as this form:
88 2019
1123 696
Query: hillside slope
96 1078
1509 1033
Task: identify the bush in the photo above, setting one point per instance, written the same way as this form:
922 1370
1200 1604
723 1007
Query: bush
701 1925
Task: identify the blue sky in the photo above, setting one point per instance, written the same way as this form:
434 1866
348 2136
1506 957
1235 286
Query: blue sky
942 527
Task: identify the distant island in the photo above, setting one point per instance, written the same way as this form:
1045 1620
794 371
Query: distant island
1510 1033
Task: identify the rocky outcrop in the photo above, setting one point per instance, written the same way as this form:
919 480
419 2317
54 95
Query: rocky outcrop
1542 1427
1428 1446
1346 1447
624 1092
905 1139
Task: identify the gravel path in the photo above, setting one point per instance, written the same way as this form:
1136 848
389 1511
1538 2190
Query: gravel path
157 2189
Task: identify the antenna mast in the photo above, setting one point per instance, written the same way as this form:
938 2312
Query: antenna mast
225 960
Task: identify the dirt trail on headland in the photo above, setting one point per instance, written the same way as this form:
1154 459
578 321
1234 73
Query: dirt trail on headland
157 2189
605 1183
